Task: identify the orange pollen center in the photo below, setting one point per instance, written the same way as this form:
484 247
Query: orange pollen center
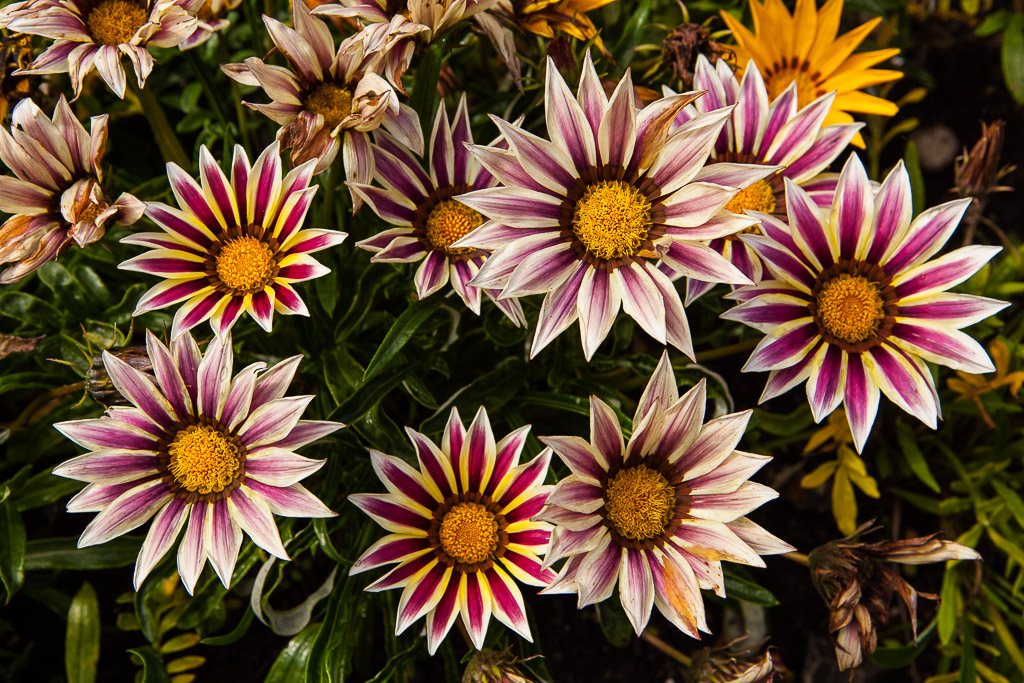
450 221
469 533
639 503
850 307
91 213
332 102
114 22
758 197
806 89
612 219
245 264
203 459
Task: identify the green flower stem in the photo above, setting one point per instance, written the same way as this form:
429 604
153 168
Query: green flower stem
166 140
199 69
326 215
665 647
726 351
236 97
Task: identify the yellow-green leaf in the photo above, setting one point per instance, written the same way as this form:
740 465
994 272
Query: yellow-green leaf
82 644
820 475
844 503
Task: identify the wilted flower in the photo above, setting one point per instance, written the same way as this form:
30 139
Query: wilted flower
978 172
15 54
858 586
488 666
93 34
55 196
583 218
773 133
203 450
211 18
234 246
659 514
802 48
857 306
730 664
429 220
683 45
461 529
546 17
327 101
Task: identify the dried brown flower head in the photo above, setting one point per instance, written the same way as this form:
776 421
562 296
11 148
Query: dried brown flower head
858 585
681 47
730 664
978 172
15 53
489 666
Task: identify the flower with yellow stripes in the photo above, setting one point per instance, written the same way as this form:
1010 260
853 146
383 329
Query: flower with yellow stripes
804 47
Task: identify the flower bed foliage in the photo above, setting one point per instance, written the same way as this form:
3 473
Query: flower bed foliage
618 339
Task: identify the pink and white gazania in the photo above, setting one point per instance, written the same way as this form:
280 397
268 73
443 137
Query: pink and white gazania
200 449
55 195
855 305
583 218
210 19
429 221
92 34
422 21
326 101
235 245
460 529
775 135
660 513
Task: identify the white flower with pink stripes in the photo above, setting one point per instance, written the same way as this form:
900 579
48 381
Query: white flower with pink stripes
235 245
200 449
461 529
660 513
857 303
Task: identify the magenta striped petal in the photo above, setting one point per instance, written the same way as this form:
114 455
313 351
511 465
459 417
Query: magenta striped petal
543 160
140 389
290 501
893 210
956 310
442 153
305 432
166 263
782 380
827 380
291 214
636 588
433 463
462 134
605 434
507 602
475 606
195 311
400 575
751 113
507 457
219 189
535 538
441 618
616 136
391 515
677 590
565 542
799 133
162 535
222 539
808 226
95 497
131 509
170 292
944 272
190 196
853 209
402 480
529 507
167 376
729 475
524 482
389 550
109 466
399 177
264 188
925 236
598 572
476 458
714 541
830 143
642 299
278 467
577 495
558 310
577 455
781 110
287 300
951 348
567 125
792 345
860 399
272 421
725 507
683 422
107 433
505 166
420 597
686 151
191 556
214 378
716 441
781 261
181 225
527 568
903 381
253 515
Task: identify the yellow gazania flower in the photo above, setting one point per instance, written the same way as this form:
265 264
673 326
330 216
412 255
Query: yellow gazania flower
803 47
544 17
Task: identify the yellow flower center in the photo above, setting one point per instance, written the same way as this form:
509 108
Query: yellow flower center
640 503
245 264
113 22
850 307
806 89
469 533
612 219
758 197
450 221
203 459
332 102
91 213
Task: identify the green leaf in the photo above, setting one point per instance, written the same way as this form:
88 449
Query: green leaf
992 24
31 309
614 623
747 591
63 553
82 645
1013 56
947 607
400 333
912 162
423 98
152 668
44 488
903 655
235 635
12 548
25 380
290 665
915 458
1011 499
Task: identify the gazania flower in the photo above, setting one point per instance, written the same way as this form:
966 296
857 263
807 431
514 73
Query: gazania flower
856 305
802 48
55 196
92 34
580 217
234 245
659 513
460 529
198 451
546 17
210 19
327 101
775 135
429 221
406 23
15 54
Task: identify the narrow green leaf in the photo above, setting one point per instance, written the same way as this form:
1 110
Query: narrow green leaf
747 591
152 668
400 333
12 548
912 162
63 553
947 607
423 98
290 665
992 24
235 635
915 458
82 645
1013 56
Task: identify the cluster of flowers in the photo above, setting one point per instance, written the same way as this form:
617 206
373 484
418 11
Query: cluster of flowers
727 184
